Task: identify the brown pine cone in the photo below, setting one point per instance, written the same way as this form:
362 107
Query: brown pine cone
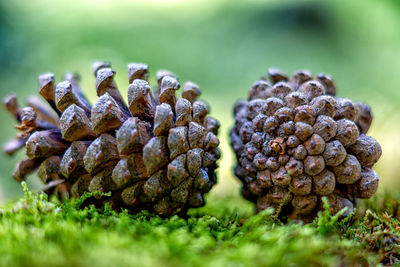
157 153
295 142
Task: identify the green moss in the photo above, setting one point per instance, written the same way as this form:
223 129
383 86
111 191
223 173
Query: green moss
38 232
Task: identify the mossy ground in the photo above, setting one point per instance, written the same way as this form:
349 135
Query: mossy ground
38 232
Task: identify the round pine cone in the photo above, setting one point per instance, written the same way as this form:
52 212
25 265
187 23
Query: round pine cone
295 142
157 153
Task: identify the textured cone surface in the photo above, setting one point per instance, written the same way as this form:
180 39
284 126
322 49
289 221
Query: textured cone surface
296 142
155 152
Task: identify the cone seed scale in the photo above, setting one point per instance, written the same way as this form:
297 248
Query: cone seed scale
296 142
156 152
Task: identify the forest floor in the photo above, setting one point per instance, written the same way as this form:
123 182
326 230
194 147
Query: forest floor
38 232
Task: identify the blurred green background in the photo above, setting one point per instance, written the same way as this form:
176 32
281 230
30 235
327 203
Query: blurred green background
222 45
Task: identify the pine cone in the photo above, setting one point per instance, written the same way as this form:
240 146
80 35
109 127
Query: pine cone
295 142
158 153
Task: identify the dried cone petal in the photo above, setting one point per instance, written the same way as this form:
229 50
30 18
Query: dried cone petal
157 185
176 171
72 165
281 89
276 75
349 171
260 89
129 169
325 127
191 91
346 109
347 132
304 205
13 145
43 112
137 71
139 99
24 167
324 105
106 115
157 153
163 120
105 84
328 83
334 153
65 96
364 119
301 185
45 143
101 152
74 79
48 170
47 89
324 183
11 105
367 185
177 141
183 111
296 142
75 125
132 136
81 185
367 150
168 87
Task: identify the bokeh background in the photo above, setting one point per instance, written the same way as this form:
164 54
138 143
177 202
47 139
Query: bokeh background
222 45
